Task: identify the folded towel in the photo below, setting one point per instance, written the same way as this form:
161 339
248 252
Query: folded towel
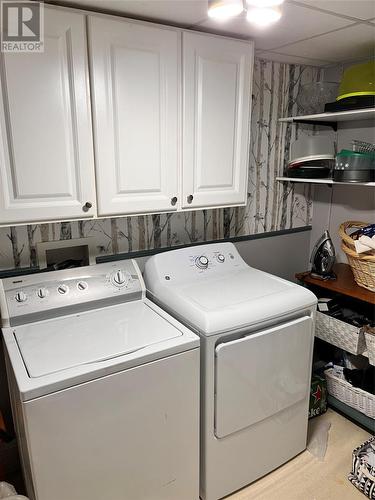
364 244
366 240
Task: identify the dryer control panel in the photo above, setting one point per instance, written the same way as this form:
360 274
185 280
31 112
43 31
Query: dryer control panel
194 263
42 295
212 257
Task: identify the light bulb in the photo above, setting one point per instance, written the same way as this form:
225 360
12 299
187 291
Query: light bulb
263 17
223 9
264 3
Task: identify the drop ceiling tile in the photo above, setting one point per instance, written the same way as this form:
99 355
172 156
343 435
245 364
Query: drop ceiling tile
279 57
297 23
183 12
237 26
359 9
355 42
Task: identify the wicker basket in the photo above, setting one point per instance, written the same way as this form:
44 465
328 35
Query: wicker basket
369 334
362 265
341 334
352 396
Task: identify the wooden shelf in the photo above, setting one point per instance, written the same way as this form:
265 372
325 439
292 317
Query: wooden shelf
323 181
344 284
333 118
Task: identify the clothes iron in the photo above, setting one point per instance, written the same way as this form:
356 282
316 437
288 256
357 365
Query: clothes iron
323 258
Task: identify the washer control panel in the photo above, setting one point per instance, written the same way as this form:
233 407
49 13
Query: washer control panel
38 295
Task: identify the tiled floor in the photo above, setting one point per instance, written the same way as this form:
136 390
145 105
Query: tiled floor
307 478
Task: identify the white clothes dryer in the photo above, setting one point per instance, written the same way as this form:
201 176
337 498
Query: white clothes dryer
256 352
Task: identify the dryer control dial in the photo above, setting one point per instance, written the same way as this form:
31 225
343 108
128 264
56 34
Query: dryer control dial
201 262
20 296
220 258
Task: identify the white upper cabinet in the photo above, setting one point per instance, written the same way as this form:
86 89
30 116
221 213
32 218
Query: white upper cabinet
171 114
135 81
46 150
217 75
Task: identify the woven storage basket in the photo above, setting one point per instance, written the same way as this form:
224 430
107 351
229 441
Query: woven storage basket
369 334
341 334
363 265
352 396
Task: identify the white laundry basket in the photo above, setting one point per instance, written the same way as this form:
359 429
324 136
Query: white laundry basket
7 491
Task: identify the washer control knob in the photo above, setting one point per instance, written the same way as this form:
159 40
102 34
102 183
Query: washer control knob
119 277
63 289
202 262
20 296
221 258
82 285
42 293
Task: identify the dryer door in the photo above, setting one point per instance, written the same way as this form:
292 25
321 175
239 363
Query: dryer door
261 374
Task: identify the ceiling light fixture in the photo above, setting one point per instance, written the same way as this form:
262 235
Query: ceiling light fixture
222 9
263 17
263 4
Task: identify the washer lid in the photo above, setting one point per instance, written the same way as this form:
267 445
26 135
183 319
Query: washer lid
55 345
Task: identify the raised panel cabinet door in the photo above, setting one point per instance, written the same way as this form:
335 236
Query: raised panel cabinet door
46 151
135 78
217 76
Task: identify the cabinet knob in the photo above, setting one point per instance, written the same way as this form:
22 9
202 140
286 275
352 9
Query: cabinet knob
190 198
174 201
87 206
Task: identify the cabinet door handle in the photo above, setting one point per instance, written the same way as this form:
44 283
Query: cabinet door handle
190 198
174 201
86 207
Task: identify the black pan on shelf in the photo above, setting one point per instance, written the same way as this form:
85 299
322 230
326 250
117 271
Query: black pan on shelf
310 169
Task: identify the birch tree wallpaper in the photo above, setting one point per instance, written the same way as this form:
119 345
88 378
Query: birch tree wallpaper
271 205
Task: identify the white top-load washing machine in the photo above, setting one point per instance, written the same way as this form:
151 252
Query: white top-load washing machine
104 387
256 352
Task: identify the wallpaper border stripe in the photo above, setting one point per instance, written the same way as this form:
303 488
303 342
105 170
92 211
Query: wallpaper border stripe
145 253
233 239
